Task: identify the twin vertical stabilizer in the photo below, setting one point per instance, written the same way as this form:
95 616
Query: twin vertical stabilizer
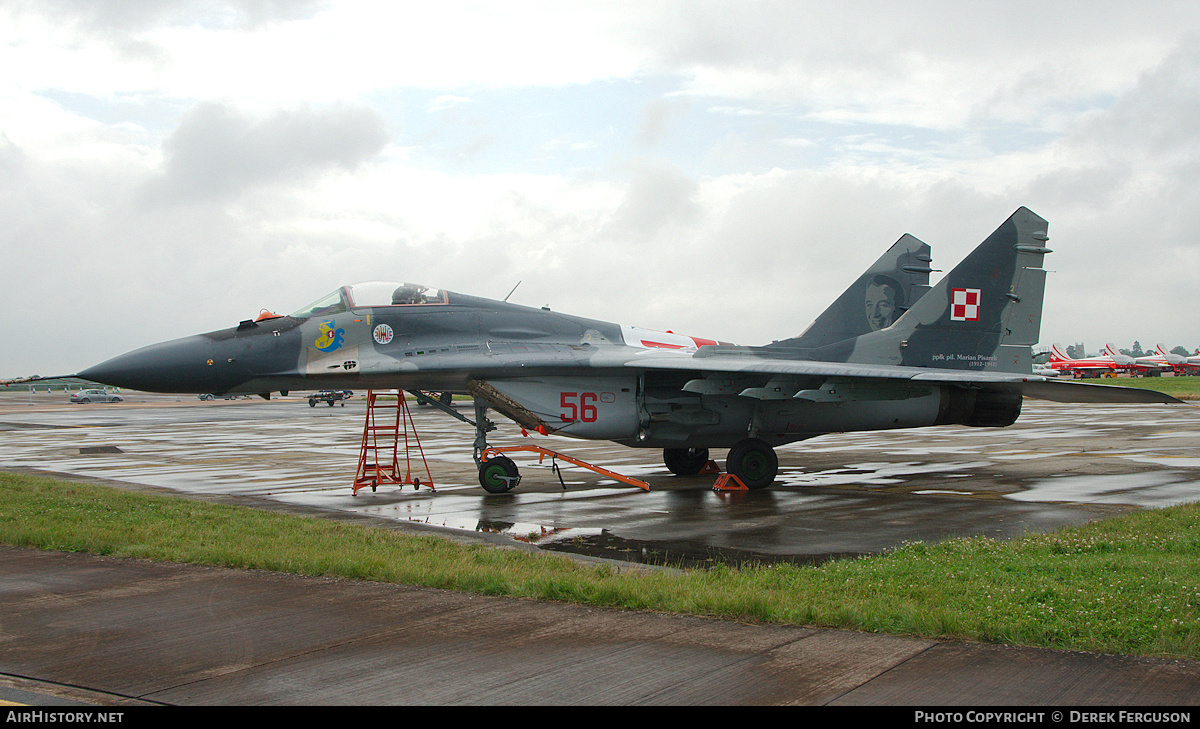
985 315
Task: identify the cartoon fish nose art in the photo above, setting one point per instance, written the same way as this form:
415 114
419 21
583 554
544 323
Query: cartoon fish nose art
330 338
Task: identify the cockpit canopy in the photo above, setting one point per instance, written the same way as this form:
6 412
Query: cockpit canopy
372 294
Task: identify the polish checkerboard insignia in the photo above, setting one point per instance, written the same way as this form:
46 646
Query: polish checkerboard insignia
964 304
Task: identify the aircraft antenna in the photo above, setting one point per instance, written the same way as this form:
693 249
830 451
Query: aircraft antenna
514 288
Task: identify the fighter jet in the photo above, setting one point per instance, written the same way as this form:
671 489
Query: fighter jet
1041 369
1104 365
1154 364
893 354
1192 364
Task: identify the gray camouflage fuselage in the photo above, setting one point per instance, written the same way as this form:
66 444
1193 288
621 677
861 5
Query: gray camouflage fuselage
959 353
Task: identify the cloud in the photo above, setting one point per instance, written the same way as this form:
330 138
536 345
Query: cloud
932 65
109 17
218 151
129 27
657 195
719 169
448 101
11 157
657 116
1155 121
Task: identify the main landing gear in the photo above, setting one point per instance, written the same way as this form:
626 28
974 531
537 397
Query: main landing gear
751 460
685 461
754 462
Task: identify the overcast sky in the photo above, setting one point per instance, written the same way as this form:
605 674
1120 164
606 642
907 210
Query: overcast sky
721 169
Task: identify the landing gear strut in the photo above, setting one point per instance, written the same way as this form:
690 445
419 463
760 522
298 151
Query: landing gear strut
497 474
754 462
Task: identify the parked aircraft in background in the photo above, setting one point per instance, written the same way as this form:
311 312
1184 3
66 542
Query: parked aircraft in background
1182 364
1151 365
956 353
1104 365
1193 363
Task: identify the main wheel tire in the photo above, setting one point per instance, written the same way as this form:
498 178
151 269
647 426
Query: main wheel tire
754 462
312 403
498 475
685 461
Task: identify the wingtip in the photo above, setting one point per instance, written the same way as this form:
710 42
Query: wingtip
36 378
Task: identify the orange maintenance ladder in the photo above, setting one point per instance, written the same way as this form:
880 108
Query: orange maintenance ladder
379 457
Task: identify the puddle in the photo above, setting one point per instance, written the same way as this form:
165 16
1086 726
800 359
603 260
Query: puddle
875 475
87 450
1149 490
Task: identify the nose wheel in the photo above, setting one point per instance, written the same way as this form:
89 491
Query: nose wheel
498 475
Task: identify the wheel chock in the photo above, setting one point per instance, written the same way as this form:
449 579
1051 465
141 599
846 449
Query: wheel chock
710 467
723 483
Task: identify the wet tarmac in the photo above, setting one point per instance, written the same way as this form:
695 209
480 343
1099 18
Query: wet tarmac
843 494
94 631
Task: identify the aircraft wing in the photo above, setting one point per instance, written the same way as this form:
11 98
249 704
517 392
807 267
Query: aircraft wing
1067 391
783 374
36 379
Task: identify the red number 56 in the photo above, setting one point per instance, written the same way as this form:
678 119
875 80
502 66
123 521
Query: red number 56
585 410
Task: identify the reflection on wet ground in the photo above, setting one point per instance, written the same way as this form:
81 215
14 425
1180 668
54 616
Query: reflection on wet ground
842 494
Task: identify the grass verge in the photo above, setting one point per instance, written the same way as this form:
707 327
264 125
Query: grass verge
1126 585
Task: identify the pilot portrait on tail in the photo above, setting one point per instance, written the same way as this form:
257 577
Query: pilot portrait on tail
884 301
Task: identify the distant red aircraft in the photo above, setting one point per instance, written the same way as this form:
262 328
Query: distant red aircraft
1101 366
1183 365
1150 365
1153 363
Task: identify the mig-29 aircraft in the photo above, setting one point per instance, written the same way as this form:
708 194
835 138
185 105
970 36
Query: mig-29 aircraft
891 352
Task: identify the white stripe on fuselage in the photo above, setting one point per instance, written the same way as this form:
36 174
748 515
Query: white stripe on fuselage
651 339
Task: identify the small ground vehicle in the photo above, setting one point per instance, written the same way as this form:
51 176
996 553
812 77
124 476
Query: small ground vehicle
86 396
330 396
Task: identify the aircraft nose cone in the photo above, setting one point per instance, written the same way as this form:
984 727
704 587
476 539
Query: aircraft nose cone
181 365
